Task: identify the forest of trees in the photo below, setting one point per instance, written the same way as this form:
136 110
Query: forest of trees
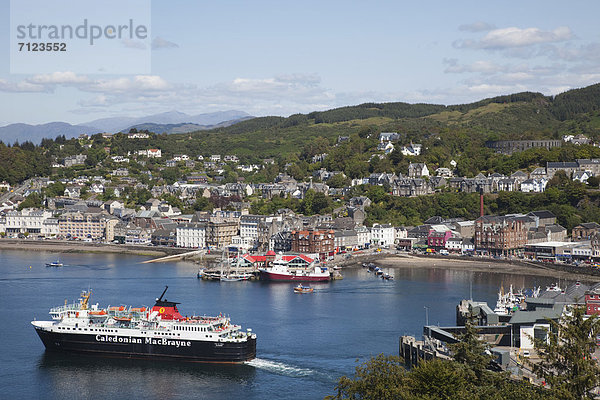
22 161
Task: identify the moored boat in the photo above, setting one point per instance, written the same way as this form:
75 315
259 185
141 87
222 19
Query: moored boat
157 333
235 277
280 271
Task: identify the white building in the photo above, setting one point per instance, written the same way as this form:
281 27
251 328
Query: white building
363 235
191 235
468 245
388 136
444 172
401 233
382 235
582 251
231 158
138 135
413 150
582 176
454 244
120 159
534 185
30 221
386 147
150 153
242 243
249 226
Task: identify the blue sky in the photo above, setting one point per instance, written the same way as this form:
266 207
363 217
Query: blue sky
280 58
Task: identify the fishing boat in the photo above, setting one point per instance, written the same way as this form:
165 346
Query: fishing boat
137 332
303 289
513 300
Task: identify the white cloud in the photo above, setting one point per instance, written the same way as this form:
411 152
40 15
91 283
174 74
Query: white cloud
487 89
482 66
506 38
478 26
23 87
160 43
97 101
59 78
137 84
587 52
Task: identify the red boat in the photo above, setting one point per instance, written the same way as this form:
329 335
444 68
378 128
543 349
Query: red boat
282 271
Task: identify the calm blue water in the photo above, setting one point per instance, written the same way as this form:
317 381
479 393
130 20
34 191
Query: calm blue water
305 342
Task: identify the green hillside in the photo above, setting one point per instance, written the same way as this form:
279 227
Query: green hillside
456 132
518 116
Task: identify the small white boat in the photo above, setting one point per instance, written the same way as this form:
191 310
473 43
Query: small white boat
56 263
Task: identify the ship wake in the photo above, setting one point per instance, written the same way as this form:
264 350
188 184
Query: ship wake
280 368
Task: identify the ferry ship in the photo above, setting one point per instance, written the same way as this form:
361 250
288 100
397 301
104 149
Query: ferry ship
157 333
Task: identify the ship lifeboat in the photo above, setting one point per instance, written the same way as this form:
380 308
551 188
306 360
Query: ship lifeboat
101 312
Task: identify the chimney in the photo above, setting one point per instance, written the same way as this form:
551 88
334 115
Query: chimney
481 202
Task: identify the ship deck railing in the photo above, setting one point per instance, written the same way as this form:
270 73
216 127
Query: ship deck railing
68 307
232 331
134 325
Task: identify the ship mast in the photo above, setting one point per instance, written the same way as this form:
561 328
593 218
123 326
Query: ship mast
163 293
85 298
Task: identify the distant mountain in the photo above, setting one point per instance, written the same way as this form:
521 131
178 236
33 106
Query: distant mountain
35 133
112 124
184 127
169 122
119 124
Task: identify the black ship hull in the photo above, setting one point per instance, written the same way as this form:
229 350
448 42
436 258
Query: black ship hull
160 348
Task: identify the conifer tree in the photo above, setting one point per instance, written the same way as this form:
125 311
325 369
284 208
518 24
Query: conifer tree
566 362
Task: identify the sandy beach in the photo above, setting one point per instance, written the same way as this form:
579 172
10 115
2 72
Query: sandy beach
61 246
482 265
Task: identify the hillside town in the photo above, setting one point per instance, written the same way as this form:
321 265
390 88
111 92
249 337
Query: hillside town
80 213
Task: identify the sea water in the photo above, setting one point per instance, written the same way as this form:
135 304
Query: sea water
305 341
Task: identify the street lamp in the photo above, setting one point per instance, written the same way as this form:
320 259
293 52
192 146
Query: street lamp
426 315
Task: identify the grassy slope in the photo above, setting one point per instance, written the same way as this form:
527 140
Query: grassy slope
512 117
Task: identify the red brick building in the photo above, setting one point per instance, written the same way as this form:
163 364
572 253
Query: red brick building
499 235
313 241
592 302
